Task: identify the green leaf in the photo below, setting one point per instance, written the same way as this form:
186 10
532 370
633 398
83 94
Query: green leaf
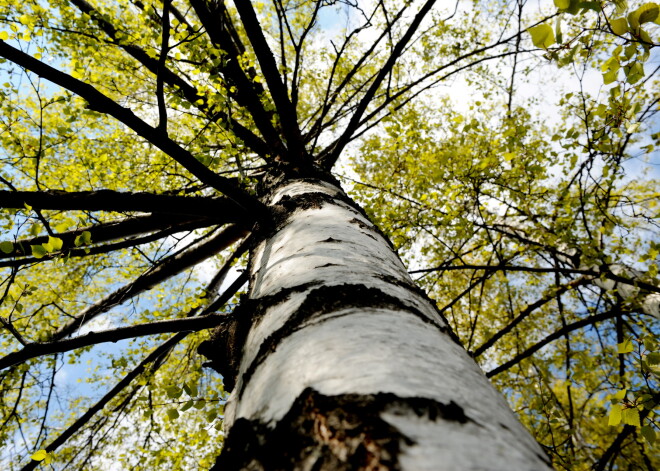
649 434
615 415
649 343
619 26
85 238
619 395
624 347
595 6
630 416
39 455
38 251
634 73
35 230
211 415
173 392
609 77
562 4
573 6
558 33
53 245
653 358
63 226
647 13
187 406
172 414
7 247
542 36
55 242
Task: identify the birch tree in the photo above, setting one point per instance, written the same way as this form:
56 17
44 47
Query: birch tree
211 203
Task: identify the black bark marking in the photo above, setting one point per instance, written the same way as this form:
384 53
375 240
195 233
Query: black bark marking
339 433
282 175
224 349
424 295
279 174
324 300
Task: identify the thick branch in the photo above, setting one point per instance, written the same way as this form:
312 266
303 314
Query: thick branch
87 251
165 269
248 137
157 354
552 337
375 85
126 228
219 209
164 49
218 24
190 324
103 104
286 111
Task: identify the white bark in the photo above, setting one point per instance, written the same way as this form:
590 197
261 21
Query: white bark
401 348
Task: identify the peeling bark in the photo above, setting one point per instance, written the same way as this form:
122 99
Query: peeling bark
338 361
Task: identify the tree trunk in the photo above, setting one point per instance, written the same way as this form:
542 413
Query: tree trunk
338 361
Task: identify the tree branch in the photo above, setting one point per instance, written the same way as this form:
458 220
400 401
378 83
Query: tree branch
189 324
554 336
248 137
164 49
375 85
103 104
218 209
287 113
219 27
154 356
158 225
167 268
527 311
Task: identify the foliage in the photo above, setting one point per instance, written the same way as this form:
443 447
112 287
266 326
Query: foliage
525 215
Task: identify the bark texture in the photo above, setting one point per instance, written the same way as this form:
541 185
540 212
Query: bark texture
343 363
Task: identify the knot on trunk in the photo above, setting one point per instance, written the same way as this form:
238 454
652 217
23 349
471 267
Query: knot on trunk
224 348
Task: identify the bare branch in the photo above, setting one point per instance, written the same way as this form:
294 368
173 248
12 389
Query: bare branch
219 209
189 324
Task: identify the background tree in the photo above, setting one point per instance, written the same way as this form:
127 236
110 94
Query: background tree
137 136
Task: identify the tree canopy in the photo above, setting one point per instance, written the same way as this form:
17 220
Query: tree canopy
507 149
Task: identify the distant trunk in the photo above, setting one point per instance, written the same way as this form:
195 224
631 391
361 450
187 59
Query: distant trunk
340 362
